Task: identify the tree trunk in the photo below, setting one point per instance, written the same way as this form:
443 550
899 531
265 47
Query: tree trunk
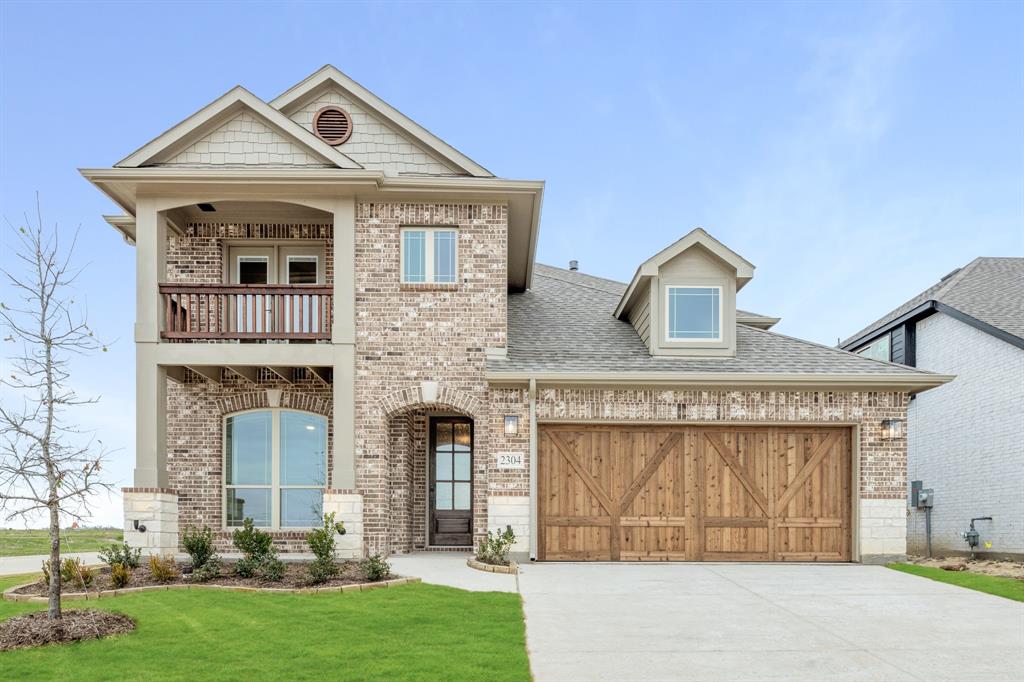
53 612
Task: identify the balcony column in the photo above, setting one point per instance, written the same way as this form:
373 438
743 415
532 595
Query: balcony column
343 339
150 378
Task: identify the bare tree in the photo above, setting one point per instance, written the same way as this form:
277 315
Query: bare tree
47 465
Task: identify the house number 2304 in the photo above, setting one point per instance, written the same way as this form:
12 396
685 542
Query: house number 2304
510 460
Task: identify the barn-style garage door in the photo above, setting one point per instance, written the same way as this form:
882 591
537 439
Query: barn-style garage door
670 493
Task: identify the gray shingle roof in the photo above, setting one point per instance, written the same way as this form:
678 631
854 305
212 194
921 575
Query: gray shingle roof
988 289
565 324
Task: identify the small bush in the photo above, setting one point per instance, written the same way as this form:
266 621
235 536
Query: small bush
322 543
72 572
208 571
199 545
375 568
495 547
46 572
121 554
252 541
271 569
163 568
120 575
259 558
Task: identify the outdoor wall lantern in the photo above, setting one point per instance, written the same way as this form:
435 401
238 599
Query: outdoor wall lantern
892 429
511 424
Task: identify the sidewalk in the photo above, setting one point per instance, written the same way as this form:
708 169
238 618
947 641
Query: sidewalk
15 565
449 568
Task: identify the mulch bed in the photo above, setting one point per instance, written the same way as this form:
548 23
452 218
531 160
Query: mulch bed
35 629
296 576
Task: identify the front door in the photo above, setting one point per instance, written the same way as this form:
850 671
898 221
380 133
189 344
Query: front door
451 482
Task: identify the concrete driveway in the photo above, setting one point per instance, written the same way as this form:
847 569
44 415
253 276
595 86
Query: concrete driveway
763 622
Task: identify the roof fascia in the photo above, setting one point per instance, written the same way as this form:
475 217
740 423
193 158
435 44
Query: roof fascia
219 110
921 311
329 75
759 322
910 383
981 326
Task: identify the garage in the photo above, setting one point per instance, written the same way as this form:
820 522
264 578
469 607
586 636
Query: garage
693 493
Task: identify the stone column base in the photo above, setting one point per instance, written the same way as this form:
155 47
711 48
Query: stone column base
156 509
347 508
883 531
512 511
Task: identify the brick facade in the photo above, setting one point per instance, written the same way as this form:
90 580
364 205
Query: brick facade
411 339
195 431
407 335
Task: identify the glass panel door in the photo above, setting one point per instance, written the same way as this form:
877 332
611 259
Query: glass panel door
253 266
451 485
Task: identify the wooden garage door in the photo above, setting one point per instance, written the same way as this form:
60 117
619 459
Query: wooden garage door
674 493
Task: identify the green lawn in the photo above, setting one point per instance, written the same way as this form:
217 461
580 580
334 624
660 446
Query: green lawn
26 542
1001 587
408 632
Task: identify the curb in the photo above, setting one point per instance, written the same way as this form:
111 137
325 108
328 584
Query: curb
512 567
9 593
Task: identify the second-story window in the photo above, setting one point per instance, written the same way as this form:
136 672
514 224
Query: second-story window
429 255
693 313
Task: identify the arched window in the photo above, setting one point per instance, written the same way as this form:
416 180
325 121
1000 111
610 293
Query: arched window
275 468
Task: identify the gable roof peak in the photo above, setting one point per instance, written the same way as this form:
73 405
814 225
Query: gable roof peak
218 112
330 76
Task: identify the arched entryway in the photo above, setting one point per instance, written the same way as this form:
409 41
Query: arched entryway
434 478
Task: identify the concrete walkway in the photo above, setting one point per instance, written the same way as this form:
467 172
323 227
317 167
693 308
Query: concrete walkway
15 565
449 568
763 622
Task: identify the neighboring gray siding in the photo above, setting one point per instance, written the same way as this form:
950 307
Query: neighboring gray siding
640 316
966 439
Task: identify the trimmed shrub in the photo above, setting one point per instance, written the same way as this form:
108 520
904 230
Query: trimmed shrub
376 568
121 554
495 547
322 543
120 575
259 558
199 545
163 568
208 571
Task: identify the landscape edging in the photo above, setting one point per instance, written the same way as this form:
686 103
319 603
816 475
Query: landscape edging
9 593
512 567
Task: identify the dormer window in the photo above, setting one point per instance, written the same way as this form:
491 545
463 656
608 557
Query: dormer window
693 313
429 255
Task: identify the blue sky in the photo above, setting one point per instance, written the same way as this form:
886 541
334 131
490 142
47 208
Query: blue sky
854 153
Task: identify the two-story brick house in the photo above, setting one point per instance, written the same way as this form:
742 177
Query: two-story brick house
337 311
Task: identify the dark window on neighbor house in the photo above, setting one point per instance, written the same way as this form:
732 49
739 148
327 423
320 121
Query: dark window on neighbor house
877 349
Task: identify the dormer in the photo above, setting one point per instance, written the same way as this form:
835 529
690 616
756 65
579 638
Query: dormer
682 301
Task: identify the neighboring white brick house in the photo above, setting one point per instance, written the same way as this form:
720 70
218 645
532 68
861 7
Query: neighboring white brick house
966 439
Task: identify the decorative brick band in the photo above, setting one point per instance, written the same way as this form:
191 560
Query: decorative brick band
260 230
165 491
447 397
295 400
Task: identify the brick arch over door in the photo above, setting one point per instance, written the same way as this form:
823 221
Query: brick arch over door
392 514
290 400
447 398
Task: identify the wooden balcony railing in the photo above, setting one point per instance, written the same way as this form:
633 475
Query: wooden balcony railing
247 311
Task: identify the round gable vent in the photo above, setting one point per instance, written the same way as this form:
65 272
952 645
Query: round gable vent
333 125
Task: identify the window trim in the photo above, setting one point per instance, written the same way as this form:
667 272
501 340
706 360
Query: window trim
666 288
275 485
428 253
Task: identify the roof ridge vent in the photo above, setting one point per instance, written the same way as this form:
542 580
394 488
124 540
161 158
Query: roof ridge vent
950 274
